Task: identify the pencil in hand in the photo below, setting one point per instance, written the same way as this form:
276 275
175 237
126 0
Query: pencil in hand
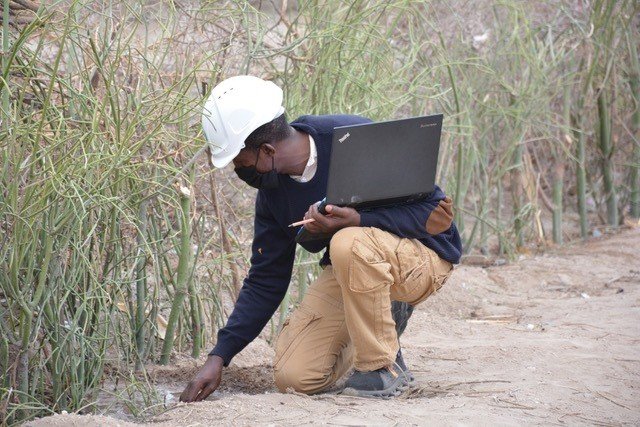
304 221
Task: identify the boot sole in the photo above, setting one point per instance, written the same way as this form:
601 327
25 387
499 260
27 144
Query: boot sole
411 378
395 389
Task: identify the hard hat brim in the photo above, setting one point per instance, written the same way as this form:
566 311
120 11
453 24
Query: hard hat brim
222 160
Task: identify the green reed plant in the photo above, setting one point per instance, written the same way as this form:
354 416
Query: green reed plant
5 60
609 22
606 148
578 123
634 84
183 275
82 171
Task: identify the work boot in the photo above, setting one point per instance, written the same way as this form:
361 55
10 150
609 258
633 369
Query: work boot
383 382
401 312
403 367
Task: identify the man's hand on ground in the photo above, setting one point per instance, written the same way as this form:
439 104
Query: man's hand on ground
205 382
336 219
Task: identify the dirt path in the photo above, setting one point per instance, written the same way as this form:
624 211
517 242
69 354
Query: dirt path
551 339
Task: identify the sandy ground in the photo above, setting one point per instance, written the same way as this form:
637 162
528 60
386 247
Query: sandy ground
550 339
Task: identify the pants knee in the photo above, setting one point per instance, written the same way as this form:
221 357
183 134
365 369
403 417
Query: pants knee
298 380
341 246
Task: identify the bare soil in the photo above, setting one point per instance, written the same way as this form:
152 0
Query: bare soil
550 339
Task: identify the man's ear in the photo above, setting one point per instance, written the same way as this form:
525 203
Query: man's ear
268 149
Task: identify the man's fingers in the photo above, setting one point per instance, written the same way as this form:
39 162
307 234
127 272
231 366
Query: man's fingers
311 209
338 211
318 226
210 388
312 228
315 230
190 392
313 212
322 220
309 212
196 392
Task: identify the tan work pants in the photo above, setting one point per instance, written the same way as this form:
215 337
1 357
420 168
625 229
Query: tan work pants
345 317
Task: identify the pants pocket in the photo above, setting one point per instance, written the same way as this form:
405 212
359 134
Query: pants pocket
421 271
293 331
439 273
413 272
368 268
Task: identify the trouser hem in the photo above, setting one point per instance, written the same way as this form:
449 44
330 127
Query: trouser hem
374 365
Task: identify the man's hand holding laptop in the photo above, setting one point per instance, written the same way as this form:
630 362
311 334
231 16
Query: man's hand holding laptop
337 218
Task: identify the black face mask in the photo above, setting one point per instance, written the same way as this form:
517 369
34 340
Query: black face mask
261 181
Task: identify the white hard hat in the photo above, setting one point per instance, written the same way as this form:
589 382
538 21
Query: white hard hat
236 107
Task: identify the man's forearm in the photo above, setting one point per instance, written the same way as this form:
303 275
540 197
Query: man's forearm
412 220
254 307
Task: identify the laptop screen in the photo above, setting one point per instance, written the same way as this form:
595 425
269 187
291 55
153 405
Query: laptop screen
377 164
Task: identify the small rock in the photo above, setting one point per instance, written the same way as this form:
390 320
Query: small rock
530 326
169 399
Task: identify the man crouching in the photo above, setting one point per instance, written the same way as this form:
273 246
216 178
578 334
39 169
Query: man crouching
377 265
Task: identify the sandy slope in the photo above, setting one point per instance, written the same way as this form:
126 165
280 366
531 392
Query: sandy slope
551 339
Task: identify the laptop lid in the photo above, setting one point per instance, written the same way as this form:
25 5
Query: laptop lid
377 164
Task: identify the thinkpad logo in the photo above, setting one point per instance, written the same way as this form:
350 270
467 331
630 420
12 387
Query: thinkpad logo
344 138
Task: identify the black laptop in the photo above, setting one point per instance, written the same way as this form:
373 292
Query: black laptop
381 164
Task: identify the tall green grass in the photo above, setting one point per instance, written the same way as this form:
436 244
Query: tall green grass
100 127
100 241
